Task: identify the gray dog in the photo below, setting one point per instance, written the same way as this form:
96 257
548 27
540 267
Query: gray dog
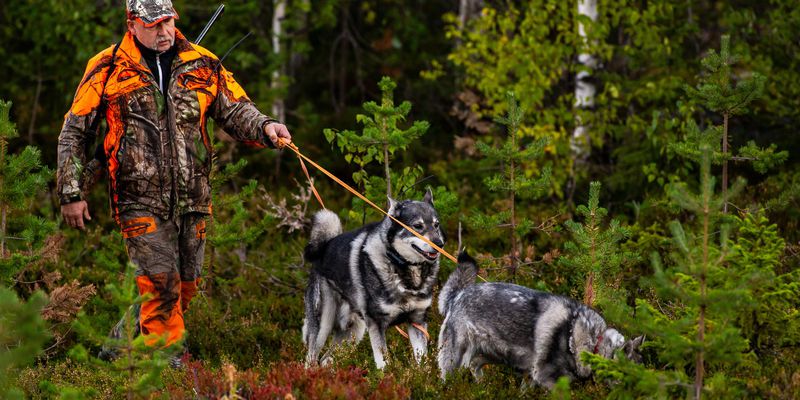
540 335
371 278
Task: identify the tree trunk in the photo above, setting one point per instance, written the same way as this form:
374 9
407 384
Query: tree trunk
588 290
386 169
278 107
584 88
279 13
466 10
513 186
701 319
725 162
34 108
3 209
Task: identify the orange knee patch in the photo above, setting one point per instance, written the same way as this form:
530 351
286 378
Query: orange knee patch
138 226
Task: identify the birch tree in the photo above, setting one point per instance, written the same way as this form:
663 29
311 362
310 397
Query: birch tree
584 88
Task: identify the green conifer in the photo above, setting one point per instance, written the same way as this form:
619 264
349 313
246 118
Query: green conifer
722 91
693 322
512 183
595 252
22 177
377 143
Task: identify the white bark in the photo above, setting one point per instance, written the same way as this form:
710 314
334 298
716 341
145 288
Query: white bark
584 89
278 108
468 9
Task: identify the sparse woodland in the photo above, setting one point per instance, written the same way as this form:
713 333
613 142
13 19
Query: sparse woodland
640 157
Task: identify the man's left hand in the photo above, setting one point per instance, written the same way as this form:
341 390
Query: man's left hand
275 131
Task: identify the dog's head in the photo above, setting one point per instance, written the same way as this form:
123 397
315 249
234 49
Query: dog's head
631 349
422 217
612 341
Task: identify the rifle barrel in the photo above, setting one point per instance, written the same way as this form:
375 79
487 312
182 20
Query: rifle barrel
213 19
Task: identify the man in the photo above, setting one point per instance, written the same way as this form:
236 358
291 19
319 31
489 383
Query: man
156 90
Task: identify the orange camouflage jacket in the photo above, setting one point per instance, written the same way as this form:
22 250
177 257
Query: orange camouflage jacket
157 147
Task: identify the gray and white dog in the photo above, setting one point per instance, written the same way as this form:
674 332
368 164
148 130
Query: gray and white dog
371 278
540 335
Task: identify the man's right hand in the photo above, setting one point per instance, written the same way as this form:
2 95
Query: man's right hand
74 213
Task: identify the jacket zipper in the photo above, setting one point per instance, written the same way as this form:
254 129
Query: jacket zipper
171 146
171 137
160 78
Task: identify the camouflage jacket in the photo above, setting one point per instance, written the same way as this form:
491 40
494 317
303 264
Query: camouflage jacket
157 148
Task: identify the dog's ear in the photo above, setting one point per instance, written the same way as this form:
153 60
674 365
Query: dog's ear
631 349
392 205
428 196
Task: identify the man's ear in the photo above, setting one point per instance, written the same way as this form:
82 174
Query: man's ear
392 205
131 27
428 196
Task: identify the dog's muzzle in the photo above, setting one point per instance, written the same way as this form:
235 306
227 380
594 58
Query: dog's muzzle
430 255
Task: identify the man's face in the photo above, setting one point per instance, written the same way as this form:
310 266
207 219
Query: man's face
159 37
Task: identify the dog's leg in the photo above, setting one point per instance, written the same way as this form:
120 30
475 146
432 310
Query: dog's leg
544 376
317 331
476 366
419 343
450 352
350 330
311 320
377 337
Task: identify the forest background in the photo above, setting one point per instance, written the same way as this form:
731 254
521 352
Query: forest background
645 165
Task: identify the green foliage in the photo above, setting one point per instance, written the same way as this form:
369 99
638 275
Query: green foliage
512 183
772 315
595 254
249 310
693 323
379 139
23 333
377 143
22 177
722 91
718 91
508 49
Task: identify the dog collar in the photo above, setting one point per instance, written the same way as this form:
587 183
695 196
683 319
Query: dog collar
597 344
396 258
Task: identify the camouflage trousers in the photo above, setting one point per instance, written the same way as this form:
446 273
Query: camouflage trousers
168 255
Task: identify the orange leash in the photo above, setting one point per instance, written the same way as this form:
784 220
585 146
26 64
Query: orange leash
283 143
415 325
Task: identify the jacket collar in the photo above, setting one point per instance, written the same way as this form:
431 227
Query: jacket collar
186 50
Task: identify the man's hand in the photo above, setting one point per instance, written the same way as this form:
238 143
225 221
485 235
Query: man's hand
74 213
274 131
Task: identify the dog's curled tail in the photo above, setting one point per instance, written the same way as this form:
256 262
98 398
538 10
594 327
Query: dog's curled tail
463 276
325 225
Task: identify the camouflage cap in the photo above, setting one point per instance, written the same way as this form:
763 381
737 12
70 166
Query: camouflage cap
151 12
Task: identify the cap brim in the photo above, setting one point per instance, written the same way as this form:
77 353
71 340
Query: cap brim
149 23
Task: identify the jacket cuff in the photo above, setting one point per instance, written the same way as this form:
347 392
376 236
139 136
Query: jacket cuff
70 198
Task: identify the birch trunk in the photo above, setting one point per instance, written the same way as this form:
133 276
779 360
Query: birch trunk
584 88
278 108
466 10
